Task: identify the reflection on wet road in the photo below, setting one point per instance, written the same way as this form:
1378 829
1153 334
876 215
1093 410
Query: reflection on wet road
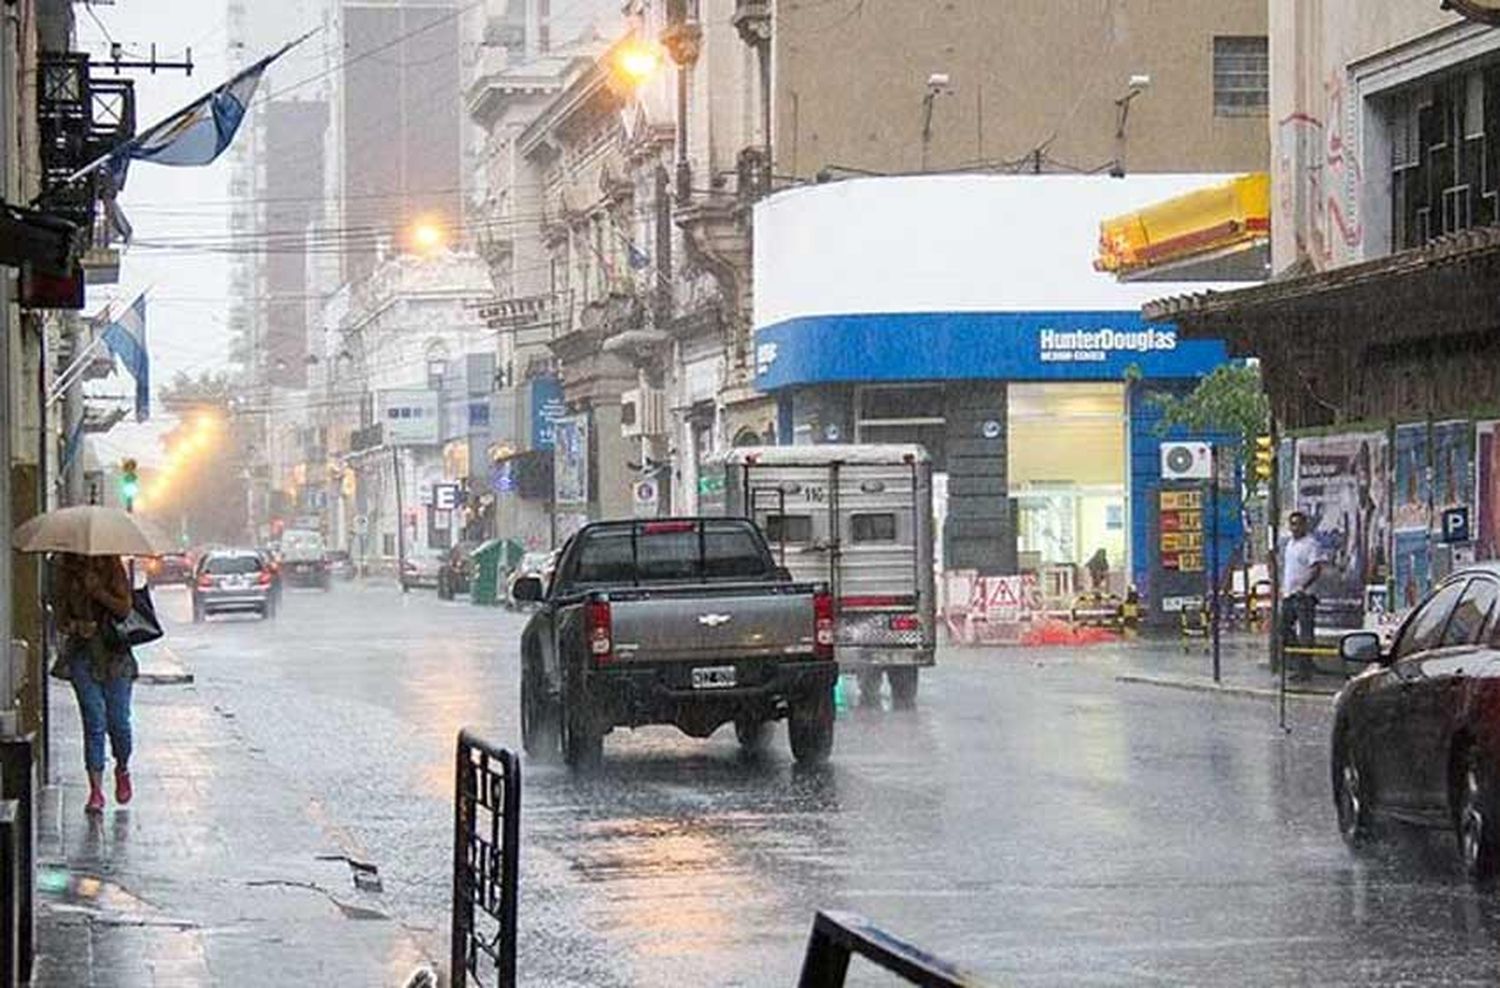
1033 820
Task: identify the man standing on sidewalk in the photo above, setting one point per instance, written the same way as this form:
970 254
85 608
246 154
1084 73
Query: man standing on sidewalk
1302 563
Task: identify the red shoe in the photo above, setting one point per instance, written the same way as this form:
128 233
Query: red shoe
123 790
95 803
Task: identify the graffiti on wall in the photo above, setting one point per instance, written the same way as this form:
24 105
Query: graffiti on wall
1319 175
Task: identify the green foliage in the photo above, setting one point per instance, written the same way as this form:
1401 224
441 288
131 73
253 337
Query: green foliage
1229 400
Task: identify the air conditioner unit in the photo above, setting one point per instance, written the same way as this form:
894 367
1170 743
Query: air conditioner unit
643 412
1186 461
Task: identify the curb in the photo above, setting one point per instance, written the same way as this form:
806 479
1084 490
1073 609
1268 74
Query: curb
1199 686
171 672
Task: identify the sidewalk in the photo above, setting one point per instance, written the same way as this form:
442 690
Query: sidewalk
1244 667
215 875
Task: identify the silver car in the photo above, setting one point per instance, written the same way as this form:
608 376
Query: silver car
233 580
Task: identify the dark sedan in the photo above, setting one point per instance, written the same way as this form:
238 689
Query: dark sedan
1416 736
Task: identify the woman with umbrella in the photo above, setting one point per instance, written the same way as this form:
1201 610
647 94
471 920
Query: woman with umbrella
90 594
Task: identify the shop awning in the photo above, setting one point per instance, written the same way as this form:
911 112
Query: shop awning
1405 335
1217 233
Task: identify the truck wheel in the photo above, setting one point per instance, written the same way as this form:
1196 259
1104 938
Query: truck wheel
810 727
442 588
903 687
869 687
582 743
540 726
197 612
752 734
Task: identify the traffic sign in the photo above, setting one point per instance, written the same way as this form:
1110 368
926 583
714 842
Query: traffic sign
445 496
361 524
646 497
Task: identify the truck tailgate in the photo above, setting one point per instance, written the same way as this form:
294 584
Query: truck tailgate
722 624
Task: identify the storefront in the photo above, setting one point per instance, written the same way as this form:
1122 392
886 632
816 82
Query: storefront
916 310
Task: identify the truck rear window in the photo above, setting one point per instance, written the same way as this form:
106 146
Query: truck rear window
670 552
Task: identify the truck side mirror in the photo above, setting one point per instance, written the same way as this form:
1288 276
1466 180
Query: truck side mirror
527 590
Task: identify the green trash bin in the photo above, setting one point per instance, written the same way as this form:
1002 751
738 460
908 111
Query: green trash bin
491 561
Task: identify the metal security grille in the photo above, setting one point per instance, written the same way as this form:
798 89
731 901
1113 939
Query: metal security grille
1242 76
1443 166
486 851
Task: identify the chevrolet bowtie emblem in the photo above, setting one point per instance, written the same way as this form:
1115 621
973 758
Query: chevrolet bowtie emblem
713 620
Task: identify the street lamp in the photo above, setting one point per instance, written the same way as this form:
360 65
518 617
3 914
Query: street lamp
427 236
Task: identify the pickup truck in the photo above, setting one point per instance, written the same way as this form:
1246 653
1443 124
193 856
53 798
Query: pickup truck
684 621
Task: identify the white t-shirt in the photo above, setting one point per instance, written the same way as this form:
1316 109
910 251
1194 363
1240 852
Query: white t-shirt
1297 562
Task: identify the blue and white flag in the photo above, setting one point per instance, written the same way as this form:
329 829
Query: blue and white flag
194 135
126 339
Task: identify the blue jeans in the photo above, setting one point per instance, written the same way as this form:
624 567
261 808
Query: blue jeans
105 708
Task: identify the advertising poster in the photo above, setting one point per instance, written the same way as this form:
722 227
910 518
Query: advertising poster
1452 486
1413 489
1413 568
1487 491
571 459
1341 487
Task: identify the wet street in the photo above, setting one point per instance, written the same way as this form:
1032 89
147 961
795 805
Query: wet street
1034 819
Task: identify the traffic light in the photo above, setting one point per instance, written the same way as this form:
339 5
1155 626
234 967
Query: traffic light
1265 458
130 484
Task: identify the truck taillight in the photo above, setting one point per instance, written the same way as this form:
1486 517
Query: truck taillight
823 624
905 622
264 579
205 582
597 628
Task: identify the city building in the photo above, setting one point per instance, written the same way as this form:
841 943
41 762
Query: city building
1377 333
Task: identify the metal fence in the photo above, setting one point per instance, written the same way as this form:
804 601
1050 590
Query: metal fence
837 936
486 846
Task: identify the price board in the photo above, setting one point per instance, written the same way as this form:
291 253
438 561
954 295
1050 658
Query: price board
1180 535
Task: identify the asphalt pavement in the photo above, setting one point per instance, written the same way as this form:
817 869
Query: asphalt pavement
1035 819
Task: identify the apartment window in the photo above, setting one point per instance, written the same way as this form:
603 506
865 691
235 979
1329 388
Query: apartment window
1443 167
1242 76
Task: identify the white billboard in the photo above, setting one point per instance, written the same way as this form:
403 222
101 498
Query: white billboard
408 417
951 243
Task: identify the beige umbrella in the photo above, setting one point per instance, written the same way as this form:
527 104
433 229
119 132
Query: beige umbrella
88 530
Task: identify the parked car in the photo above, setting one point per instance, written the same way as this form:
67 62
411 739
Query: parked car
233 580
457 569
420 569
685 621
340 564
171 567
1416 736
304 559
537 564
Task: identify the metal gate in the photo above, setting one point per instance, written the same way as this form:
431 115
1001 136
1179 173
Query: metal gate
486 846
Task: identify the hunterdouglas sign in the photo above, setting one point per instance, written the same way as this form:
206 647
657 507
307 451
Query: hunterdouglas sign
1099 345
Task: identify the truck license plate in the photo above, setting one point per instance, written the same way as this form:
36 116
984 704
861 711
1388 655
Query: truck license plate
714 678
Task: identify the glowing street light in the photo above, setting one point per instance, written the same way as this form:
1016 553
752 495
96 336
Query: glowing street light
427 236
636 61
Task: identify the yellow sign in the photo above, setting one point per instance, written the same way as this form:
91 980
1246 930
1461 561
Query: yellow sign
1197 222
1181 500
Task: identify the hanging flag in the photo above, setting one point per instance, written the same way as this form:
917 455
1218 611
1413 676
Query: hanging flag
73 446
194 135
126 339
639 259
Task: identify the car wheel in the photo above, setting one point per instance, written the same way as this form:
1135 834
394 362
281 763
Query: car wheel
1476 821
903 687
810 726
198 614
540 723
869 687
1351 797
752 734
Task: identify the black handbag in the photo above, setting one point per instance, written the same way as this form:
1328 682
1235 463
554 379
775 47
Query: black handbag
140 626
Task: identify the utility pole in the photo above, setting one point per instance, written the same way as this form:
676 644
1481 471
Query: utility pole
400 520
72 462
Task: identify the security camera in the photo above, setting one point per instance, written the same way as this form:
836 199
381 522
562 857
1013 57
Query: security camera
938 81
1140 82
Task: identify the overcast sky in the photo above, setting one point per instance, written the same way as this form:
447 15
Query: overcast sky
187 304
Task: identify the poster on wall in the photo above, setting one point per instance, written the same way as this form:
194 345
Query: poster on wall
1413 568
1487 490
1340 486
1413 489
571 459
1452 459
